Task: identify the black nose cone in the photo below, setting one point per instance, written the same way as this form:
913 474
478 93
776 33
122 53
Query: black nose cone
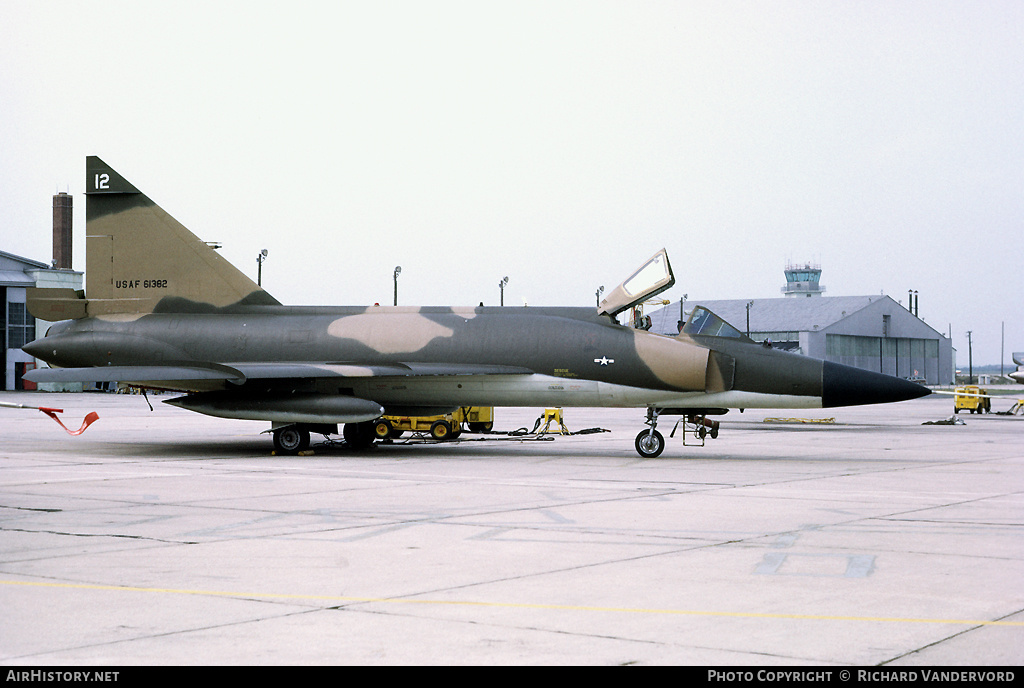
848 386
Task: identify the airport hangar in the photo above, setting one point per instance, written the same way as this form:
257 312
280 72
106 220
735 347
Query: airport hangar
875 333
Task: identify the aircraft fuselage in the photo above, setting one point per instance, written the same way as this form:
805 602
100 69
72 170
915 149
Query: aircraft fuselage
449 357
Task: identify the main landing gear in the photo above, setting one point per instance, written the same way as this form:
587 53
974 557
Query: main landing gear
291 439
650 443
294 439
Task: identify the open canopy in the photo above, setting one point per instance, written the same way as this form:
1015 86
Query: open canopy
652 278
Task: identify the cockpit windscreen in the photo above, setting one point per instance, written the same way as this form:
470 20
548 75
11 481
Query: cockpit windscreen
704 322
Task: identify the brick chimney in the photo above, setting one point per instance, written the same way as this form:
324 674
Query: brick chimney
62 231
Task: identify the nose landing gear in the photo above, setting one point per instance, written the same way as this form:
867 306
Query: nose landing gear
650 443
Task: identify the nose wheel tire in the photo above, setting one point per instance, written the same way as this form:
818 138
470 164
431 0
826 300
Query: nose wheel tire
650 444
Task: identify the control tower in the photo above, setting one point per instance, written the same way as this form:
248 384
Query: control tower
803 280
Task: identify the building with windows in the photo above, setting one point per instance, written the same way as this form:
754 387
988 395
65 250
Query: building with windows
17 275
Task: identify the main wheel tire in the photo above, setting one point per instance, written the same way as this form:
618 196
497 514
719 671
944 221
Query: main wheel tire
650 444
440 430
291 440
358 435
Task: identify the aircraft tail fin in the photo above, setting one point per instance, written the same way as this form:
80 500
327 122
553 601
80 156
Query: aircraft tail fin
139 259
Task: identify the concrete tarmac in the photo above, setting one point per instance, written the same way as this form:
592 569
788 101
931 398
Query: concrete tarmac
170 538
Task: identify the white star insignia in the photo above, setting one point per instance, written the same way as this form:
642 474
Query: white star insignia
604 360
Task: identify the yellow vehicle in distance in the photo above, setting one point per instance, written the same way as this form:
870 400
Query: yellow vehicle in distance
445 427
973 398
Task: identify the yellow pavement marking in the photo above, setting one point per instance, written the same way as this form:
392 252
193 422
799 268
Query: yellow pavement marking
506 605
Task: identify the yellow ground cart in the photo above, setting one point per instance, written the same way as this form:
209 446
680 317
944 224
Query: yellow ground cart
973 398
445 427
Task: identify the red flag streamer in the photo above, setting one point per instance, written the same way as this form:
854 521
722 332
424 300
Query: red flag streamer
90 418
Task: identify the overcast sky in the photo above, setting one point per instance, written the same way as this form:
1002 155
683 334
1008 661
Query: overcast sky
557 143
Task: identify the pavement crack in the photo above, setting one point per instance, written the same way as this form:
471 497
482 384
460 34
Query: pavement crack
98 535
940 641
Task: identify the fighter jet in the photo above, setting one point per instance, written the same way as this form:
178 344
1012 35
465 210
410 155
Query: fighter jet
163 310
1018 375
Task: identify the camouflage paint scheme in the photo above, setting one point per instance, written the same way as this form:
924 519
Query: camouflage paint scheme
164 310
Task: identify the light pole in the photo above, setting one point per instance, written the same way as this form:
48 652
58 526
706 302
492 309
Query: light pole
600 290
749 304
970 360
259 267
501 285
398 271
